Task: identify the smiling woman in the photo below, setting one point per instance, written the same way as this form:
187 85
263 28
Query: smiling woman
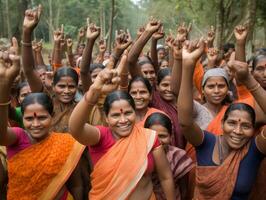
123 154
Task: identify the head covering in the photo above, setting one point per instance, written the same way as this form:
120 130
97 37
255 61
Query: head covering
215 72
159 46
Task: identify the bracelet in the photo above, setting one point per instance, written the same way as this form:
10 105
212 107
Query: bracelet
262 134
253 89
5 104
87 101
26 44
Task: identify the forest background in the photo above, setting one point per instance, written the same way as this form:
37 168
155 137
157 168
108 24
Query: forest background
113 15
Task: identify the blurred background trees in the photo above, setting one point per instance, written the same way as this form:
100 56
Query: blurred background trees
131 14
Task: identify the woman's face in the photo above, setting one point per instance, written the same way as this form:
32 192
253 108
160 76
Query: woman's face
121 118
37 121
65 89
215 90
259 72
164 64
238 129
140 94
164 89
148 72
23 93
163 133
95 73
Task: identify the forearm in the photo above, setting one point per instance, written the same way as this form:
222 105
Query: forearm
154 56
185 98
56 60
100 58
257 91
135 52
28 63
171 58
39 58
168 188
70 57
4 98
176 76
85 65
240 51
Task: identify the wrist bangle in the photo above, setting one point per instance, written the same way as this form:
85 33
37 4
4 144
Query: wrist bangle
254 88
26 44
6 103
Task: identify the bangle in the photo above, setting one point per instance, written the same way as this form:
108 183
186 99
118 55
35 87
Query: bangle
5 104
87 101
254 88
262 134
26 44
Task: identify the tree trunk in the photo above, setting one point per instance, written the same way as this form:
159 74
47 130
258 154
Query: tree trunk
22 6
219 24
7 19
111 26
50 20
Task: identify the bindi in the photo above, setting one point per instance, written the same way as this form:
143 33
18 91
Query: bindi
35 114
121 110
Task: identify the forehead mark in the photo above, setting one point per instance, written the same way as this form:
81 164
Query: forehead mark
121 110
35 114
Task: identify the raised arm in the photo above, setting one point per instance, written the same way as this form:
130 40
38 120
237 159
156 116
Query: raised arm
38 53
190 54
154 55
92 33
9 69
241 32
212 56
31 20
58 37
210 37
243 75
102 49
177 66
81 35
79 128
138 46
70 55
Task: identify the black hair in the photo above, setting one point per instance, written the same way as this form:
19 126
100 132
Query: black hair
163 73
20 86
145 60
65 71
96 66
256 59
241 106
115 96
159 118
141 79
40 98
228 46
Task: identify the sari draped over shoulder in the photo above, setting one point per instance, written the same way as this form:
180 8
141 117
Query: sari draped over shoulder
41 170
61 116
211 182
114 176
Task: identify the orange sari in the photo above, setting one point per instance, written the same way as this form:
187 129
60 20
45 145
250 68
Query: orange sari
149 112
41 170
113 176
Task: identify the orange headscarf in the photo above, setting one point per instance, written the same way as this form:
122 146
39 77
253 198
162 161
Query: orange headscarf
118 172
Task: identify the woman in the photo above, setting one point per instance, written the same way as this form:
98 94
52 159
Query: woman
122 153
65 81
180 163
226 164
41 165
141 90
164 99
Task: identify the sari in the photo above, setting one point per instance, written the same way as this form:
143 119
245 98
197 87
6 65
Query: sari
41 170
211 182
113 177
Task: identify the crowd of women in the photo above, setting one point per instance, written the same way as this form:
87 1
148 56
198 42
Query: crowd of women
182 120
